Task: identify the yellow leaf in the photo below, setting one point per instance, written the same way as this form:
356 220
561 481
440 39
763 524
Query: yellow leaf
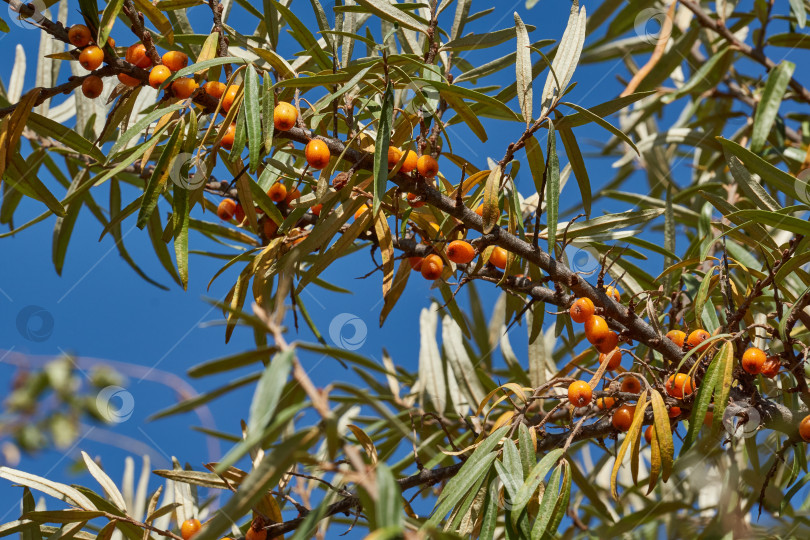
631 438
366 442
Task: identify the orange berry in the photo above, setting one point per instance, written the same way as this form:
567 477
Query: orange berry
91 57
184 87
226 209
631 385
581 310
752 360
111 42
679 385
613 292
648 434
696 338
460 252
317 154
360 211
498 257
229 97
674 412
136 55
285 115
623 417
708 419
292 195
189 528
413 200
174 60
416 263
270 228
605 402
480 210
227 139
771 367
215 89
129 80
92 87
432 267
613 359
804 428
394 155
579 393
79 35
239 213
609 343
277 192
158 75
410 162
257 534
427 166
316 209
677 337
596 329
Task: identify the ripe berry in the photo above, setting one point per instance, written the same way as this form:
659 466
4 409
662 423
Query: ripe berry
581 310
498 257
256 534
360 211
129 80
427 166
227 139
394 154
316 209
184 87
613 292
579 393
229 97
677 337
696 338
631 385
613 359
136 55
623 417
771 367
414 200
460 252
432 267
226 209
674 412
158 75
679 385
79 35
292 195
416 263
804 428
174 60
270 228
92 87
610 342
239 213
648 434
605 402
752 360
91 57
285 115
317 154
480 210
189 528
277 192
410 162
215 89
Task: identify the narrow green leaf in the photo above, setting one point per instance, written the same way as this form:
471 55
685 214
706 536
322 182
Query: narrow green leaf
768 106
577 163
492 212
268 391
552 189
157 182
381 146
523 69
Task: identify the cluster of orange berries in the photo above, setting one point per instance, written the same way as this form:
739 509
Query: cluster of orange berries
90 57
597 331
229 209
191 527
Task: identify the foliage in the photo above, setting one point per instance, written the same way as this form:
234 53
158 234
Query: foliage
495 450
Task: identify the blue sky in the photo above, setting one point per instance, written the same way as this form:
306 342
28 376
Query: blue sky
101 309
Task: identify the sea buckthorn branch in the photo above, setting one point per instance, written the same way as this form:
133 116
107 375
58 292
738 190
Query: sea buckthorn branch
222 45
140 31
